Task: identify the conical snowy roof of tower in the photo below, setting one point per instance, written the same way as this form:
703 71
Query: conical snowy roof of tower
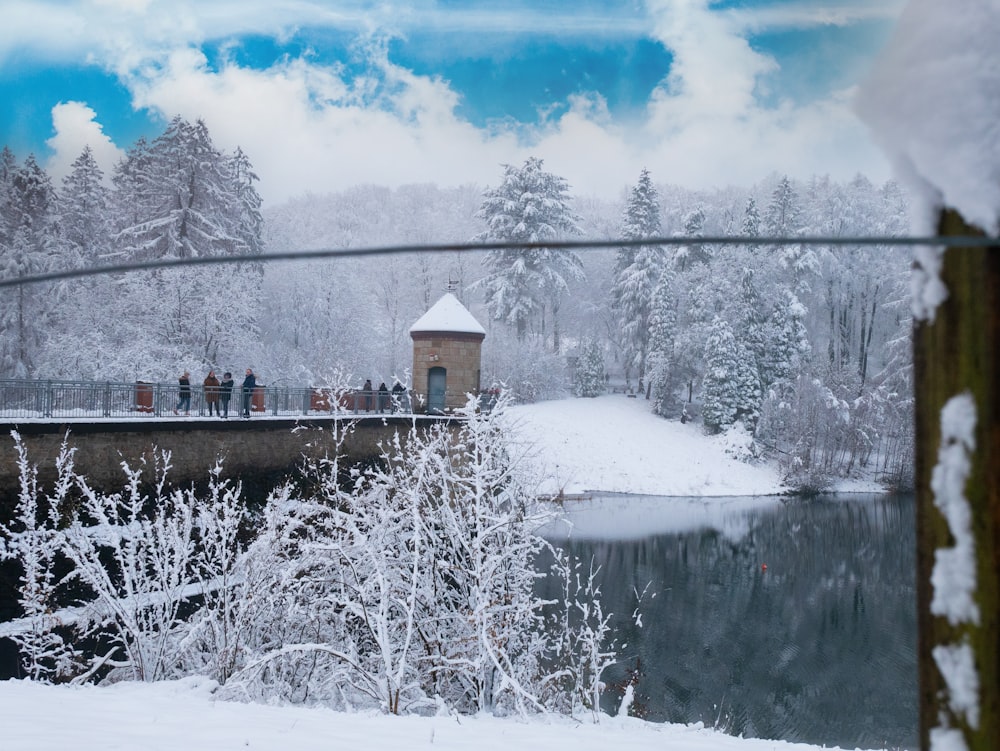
448 314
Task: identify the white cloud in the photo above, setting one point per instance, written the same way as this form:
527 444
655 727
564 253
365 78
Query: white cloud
808 14
307 129
76 126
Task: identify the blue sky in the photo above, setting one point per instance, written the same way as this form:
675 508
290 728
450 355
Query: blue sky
324 95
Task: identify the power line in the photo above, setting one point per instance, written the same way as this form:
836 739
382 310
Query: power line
968 241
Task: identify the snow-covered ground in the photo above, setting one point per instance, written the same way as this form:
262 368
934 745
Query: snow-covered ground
175 715
611 444
615 444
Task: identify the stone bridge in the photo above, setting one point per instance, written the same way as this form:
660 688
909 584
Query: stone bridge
256 451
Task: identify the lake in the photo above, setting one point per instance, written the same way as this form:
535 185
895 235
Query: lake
780 618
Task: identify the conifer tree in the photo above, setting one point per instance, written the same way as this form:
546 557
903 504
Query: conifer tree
181 197
783 216
787 342
29 247
84 205
637 271
662 335
589 379
751 224
696 253
530 205
748 391
720 386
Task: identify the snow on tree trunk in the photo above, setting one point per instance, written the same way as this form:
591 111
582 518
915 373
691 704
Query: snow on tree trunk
958 467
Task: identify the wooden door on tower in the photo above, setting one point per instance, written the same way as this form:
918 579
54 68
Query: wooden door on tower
436 389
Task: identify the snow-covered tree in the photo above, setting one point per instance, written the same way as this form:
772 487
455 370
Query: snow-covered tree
187 200
662 336
589 378
28 245
695 253
637 271
180 197
84 206
249 220
783 215
787 345
8 166
720 386
532 206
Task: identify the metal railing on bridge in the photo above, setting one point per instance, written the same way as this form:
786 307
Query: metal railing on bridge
87 400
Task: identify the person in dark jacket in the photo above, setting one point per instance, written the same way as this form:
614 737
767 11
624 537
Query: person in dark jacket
398 394
184 394
383 397
249 384
211 386
366 395
225 393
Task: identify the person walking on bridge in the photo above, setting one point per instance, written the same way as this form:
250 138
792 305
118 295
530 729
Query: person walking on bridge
211 386
183 394
225 394
249 384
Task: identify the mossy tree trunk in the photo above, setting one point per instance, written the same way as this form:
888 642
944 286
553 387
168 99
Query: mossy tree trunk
959 352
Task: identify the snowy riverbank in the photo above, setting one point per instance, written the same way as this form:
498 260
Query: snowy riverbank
614 444
184 715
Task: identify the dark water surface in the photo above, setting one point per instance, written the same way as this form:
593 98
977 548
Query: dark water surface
787 619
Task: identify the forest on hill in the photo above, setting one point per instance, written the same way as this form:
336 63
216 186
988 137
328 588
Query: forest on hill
803 347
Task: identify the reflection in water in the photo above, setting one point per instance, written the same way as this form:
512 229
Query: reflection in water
789 620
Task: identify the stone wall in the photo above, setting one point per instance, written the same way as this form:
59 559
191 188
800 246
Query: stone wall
249 449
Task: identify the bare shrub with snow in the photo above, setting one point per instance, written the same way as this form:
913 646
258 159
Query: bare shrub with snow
406 584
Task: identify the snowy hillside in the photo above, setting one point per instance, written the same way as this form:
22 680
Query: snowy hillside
616 444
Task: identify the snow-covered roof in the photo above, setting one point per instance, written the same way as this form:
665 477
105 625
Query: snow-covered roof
448 315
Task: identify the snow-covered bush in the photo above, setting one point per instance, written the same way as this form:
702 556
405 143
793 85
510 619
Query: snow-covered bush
134 551
415 584
402 584
32 540
739 443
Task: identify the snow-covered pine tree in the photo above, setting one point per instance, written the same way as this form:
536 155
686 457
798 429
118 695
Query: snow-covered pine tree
787 345
720 385
530 205
589 379
751 223
662 335
782 217
28 247
84 205
748 391
187 203
180 197
76 345
8 166
250 222
695 253
637 271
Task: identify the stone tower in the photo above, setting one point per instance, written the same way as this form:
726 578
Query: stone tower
447 351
